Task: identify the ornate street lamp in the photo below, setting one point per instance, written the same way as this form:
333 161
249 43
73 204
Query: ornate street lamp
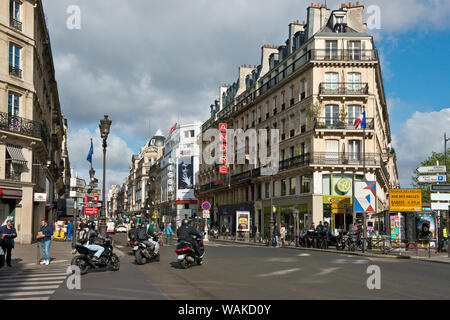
105 125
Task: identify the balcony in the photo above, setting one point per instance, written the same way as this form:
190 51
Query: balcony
15 24
344 55
346 158
298 161
338 124
343 88
22 126
15 71
245 176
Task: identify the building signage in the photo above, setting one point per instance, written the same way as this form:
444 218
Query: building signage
185 188
365 197
405 200
40 197
90 211
223 169
242 221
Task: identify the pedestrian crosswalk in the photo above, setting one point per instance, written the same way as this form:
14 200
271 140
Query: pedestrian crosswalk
31 283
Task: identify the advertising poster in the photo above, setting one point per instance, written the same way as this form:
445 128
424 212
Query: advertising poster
185 188
242 221
405 200
365 197
426 226
398 228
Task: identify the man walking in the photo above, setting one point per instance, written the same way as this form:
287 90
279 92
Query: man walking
276 234
7 234
169 233
45 237
69 231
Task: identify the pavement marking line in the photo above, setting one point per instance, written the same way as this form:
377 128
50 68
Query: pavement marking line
279 273
36 298
18 283
34 275
119 253
36 279
326 271
303 255
15 288
31 293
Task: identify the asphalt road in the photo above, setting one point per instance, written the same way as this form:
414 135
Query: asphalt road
237 271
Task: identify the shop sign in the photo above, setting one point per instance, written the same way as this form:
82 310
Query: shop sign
405 200
242 221
40 197
336 199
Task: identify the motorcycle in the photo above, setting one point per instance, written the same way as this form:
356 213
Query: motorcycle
186 255
214 232
143 253
306 238
85 261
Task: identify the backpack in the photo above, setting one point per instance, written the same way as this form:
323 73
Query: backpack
82 236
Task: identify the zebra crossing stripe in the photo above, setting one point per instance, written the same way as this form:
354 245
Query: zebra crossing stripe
34 279
28 288
28 283
27 293
34 275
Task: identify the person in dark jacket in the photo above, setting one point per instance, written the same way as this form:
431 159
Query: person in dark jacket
187 232
45 237
8 234
276 234
92 241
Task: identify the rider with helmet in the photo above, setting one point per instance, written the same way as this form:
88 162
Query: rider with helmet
92 237
186 232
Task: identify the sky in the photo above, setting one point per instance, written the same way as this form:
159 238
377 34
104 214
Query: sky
150 64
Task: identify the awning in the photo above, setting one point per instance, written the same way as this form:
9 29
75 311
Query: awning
16 154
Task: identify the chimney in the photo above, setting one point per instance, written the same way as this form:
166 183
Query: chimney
355 17
317 18
244 71
293 29
266 51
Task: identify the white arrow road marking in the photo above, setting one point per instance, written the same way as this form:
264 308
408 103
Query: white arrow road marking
326 271
279 273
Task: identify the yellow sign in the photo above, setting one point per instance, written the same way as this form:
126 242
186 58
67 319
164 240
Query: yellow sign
336 199
155 215
405 200
340 206
340 211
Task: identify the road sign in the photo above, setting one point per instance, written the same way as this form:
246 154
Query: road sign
440 197
440 206
88 211
340 211
206 206
432 169
435 178
340 206
440 187
405 200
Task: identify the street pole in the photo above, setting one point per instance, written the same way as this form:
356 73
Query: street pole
102 225
446 176
271 211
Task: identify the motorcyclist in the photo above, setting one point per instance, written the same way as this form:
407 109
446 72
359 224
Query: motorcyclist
146 236
92 238
186 232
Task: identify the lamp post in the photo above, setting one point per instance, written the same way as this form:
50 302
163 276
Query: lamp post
446 175
105 125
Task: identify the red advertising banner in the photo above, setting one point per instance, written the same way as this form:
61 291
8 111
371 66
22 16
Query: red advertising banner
223 169
223 127
89 211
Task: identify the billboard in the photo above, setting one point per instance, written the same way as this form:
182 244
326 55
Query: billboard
365 197
405 200
185 176
242 221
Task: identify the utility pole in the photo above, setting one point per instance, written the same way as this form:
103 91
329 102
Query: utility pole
446 176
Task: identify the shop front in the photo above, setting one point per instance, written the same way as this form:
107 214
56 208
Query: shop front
294 217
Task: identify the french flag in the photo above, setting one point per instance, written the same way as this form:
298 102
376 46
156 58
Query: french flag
361 121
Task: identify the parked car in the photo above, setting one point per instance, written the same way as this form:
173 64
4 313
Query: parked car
111 227
121 228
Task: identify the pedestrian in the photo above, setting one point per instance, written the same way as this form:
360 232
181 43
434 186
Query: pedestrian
69 231
151 227
8 234
445 236
45 237
161 227
276 234
169 233
283 235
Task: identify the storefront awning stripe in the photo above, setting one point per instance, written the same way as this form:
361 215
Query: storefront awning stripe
16 155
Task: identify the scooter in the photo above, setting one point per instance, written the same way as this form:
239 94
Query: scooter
143 253
85 260
186 255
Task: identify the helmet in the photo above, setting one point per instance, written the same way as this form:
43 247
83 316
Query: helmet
91 224
185 222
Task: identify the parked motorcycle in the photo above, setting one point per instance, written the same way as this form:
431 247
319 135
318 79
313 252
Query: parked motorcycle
186 255
85 261
143 253
307 238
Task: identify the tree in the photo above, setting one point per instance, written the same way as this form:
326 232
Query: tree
431 161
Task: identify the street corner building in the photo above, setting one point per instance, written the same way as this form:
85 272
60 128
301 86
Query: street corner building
34 163
323 89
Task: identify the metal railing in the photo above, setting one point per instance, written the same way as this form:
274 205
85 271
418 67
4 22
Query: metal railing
15 24
344 55
294 162
15 71
343 88
345 158
343 124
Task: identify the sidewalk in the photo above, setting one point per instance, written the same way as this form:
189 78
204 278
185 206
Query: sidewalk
28 255
411 254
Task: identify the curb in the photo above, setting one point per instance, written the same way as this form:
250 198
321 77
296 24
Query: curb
385 256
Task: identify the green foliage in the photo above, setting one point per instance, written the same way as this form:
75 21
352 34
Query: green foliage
431 161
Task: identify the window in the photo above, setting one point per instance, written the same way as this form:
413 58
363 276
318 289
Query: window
283 100
354 82
259 114
331 50
291 152
354 50
332 82
275 105
13 105
306 184
192 133
303 121
331 114
14 60
353 113
283 187
267 110
292 125
14 163
302 89
354 150
291 95
267 190
14 12
293 185
283 129
282 155
331 150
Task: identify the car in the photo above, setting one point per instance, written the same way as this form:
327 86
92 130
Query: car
121 228
111 227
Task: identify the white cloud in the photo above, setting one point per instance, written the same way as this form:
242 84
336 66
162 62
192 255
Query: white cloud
421 135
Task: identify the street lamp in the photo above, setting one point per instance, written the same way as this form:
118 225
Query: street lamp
446 175
105 125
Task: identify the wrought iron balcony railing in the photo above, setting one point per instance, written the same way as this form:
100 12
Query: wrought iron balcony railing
15 24
15 71
297 161
344 55
341 124
346 158
23 126
343 88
